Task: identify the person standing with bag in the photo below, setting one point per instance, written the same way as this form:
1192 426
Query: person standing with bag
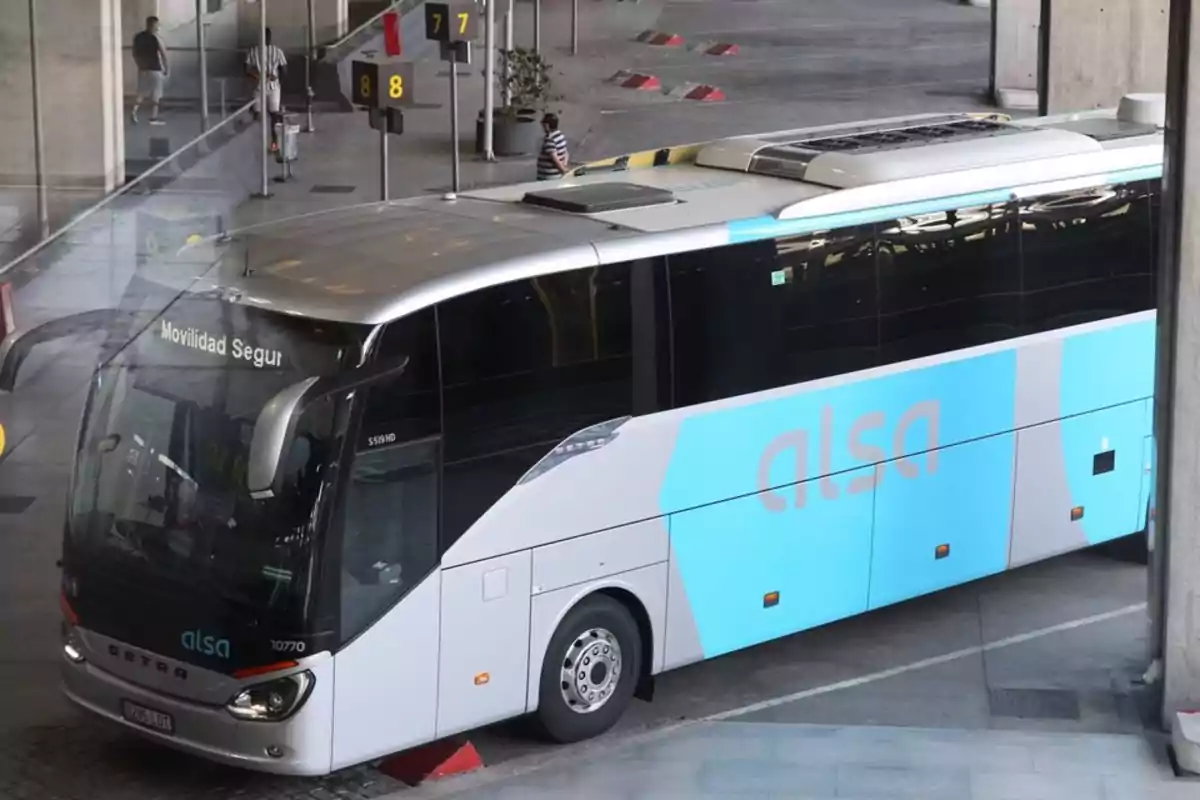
273 63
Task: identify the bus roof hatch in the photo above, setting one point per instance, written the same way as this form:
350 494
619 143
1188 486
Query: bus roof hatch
597 198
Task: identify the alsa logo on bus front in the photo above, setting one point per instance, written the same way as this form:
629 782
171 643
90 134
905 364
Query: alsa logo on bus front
197 642
796 445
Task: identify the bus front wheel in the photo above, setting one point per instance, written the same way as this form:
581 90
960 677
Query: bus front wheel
590 671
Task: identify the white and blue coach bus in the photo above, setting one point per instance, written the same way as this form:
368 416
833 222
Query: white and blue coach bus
392 472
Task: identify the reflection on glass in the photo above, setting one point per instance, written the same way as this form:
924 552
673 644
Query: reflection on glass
161 515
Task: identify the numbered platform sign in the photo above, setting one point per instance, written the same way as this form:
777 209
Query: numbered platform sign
451 22
381 84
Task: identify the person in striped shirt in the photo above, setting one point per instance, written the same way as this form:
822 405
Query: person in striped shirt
552 160
275 63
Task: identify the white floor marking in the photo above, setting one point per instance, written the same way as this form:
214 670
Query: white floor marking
933 661
585 750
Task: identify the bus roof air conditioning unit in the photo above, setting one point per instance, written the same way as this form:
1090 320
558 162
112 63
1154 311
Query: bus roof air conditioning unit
850 158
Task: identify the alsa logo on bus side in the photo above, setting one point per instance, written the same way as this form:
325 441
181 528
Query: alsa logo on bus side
797 442
198 642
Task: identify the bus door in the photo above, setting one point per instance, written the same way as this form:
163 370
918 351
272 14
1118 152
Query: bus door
388 521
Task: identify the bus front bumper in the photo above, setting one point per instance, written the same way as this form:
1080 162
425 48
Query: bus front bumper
299 745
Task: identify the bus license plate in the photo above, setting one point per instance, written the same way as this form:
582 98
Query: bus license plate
148 717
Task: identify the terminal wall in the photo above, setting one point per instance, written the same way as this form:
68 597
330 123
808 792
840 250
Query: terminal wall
1098 51
1016 27
81 74
288 20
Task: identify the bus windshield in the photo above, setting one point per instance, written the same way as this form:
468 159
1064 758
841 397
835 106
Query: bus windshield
165 548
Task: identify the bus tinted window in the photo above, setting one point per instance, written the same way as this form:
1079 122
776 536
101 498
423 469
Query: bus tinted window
524 365
390 511
831 304
1087 255
948 280
407 407
756 316
389 524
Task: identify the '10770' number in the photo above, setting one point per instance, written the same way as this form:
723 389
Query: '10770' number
288 646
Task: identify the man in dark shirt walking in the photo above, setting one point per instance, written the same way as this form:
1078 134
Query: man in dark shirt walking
552 160
151 59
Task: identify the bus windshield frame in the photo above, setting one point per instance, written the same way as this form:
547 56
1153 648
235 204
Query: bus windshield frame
164 546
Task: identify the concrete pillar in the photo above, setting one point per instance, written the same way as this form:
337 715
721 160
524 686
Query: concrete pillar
288 20
1178 433
80 72
1016 27
1095 51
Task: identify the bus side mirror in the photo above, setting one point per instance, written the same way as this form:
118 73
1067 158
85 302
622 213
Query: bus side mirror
276 425
18 344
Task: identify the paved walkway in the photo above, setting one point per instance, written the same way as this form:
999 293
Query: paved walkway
799 65
757 761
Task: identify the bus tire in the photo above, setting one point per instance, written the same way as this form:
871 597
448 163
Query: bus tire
578 698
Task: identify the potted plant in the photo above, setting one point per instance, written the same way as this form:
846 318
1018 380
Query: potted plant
523 80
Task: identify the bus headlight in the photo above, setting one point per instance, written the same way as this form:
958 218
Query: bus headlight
71 647
272 700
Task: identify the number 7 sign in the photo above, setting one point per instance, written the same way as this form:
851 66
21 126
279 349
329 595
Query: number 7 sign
450 22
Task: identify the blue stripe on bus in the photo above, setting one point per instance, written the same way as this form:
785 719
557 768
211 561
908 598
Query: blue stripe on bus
766 227
1112 370
1136 174
832 547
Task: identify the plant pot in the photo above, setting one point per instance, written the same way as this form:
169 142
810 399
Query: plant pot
516 134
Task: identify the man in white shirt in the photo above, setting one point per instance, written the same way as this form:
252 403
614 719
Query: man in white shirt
273 64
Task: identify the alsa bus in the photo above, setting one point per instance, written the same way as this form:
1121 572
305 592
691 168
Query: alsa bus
388 473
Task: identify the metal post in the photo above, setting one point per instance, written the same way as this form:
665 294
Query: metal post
508 46
224 107
263 116
200 47
574 27
537 26
308 62
454 124
489 89
39 155
383 157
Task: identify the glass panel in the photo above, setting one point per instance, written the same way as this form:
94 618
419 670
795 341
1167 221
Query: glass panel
773 313
164 537
408 407
948 280
389 540
525 365
1086 256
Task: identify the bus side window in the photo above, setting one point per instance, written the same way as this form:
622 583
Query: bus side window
407 407
525 365
948 280
1087 255
776 312
390 507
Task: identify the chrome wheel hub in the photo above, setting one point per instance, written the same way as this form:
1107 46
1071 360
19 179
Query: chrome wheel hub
591 670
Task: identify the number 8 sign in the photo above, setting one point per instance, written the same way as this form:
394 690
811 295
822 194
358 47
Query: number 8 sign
451 22
381 84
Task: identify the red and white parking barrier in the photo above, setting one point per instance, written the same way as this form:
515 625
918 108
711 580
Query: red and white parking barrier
636 80
660 39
